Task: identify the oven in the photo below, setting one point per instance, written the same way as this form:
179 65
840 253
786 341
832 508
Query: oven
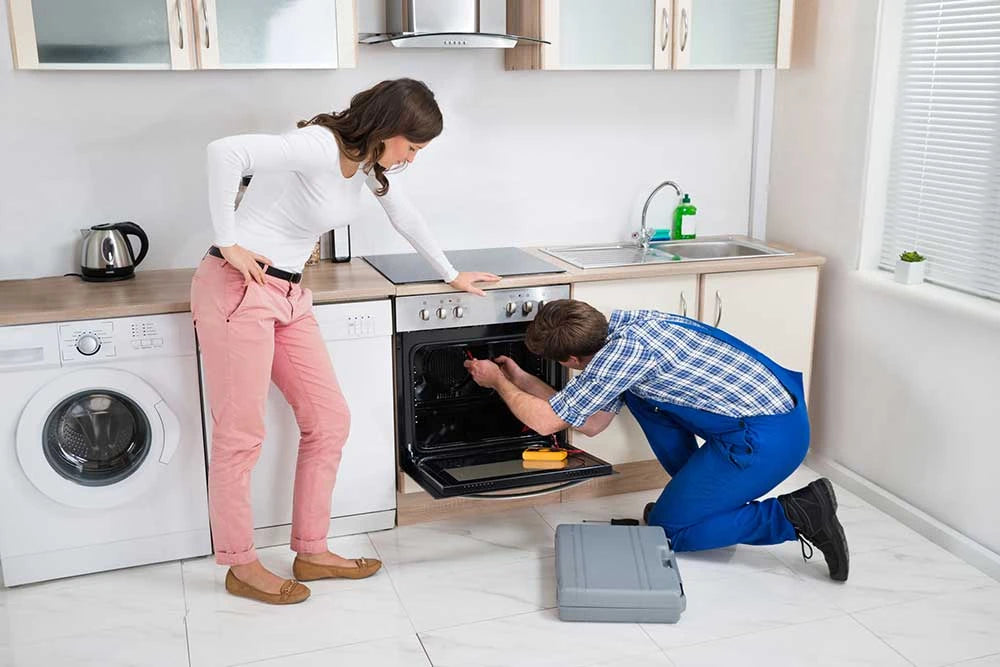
456 438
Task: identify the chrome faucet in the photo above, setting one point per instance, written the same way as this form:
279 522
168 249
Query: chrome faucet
644 234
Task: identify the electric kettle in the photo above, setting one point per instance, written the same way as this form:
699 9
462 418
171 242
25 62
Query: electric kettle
106 254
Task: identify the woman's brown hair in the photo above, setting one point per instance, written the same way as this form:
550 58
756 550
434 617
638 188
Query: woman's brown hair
565 328
391 108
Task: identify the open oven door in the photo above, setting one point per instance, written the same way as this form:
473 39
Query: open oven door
495 472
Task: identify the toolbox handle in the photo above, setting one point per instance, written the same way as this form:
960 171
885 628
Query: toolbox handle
665 556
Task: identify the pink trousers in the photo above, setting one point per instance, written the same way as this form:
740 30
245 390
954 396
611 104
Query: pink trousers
250 336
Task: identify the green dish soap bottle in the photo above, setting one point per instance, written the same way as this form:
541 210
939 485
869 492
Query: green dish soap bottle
684 220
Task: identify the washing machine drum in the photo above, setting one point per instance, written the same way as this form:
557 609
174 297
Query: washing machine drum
96 438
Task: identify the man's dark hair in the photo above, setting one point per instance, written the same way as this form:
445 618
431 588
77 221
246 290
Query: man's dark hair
565 328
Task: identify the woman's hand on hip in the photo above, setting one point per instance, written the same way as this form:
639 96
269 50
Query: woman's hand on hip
245 262
465 281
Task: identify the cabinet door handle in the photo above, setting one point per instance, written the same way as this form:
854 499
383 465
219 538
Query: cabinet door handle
180 25
204 18
664 28
718 308
684 305
684 29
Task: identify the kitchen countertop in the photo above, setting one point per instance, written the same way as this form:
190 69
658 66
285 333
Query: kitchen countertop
167 290
163 291
576 275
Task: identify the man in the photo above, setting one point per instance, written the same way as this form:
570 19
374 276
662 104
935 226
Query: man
681 378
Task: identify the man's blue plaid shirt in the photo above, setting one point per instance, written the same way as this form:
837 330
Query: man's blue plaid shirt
649 354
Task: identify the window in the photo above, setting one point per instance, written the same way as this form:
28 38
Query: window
943 188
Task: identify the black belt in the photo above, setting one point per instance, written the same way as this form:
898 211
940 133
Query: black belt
269 270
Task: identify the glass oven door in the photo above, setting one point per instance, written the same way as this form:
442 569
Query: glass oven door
487 472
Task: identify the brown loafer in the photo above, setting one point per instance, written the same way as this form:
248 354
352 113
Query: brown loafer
306 571
292 592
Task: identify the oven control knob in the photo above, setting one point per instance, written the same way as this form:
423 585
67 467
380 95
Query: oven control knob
527 307
88 344
442 313
425 314
511 308
459 312
540 304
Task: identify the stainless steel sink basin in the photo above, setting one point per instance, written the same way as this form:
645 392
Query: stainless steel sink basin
717 249
598 256
625 254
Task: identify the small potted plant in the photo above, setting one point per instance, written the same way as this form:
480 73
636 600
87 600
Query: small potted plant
910 268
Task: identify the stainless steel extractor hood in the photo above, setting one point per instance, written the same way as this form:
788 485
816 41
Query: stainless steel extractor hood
446 24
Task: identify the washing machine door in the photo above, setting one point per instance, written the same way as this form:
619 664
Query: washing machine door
96 438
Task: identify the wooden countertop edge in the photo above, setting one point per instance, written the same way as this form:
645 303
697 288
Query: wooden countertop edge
377 287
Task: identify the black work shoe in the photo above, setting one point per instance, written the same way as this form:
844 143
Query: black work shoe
813 512
645 513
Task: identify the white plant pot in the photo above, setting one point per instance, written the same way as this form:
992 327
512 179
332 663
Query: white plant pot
910 273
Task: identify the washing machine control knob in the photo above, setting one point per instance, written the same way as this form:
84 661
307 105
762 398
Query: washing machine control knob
88 344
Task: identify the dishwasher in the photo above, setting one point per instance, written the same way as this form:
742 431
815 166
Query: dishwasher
358 338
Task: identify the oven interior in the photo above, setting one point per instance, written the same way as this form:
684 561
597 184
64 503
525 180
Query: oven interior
450 410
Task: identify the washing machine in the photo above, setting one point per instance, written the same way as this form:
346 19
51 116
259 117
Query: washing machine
102 460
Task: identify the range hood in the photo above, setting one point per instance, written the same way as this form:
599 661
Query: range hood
446 24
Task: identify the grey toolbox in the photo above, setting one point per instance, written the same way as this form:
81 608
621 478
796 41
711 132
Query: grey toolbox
617 573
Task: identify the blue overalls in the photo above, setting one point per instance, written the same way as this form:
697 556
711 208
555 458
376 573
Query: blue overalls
709 501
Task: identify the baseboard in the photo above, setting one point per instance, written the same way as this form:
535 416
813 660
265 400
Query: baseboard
944 536
354 524
628 477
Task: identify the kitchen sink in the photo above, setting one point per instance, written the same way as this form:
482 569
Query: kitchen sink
624 254
627 254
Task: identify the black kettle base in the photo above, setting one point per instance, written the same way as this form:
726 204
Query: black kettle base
92 276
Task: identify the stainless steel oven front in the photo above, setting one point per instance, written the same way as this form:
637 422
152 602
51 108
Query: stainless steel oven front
456 438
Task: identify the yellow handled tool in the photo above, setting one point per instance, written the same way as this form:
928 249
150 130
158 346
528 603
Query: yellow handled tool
544 465
544 454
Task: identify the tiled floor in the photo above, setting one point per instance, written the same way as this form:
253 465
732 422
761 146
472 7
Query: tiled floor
472 593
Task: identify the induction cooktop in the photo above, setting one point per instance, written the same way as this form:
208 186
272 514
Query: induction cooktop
406 268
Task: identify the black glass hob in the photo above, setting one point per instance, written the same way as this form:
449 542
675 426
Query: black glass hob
406 268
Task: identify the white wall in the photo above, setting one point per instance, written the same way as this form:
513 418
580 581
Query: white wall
526 157
905 387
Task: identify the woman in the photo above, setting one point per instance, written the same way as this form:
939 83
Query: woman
255 322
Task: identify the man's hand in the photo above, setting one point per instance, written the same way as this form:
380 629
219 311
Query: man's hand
510 369
484 372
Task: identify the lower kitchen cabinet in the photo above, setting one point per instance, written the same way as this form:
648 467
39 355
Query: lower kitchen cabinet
623 441
773 310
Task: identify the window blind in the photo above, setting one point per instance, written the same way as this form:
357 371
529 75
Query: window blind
943 191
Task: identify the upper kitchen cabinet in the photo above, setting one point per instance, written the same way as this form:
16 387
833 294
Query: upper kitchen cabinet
650 34
101 34
597 34
276 34
183 34
732 34
590 34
